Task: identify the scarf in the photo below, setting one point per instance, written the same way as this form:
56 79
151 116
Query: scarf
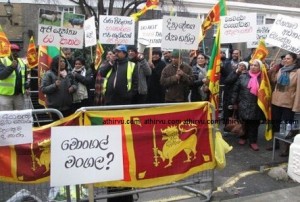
253 84
63 73
284 78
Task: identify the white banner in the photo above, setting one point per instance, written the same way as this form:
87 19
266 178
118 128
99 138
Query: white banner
60 29
90 37
261 33
116 30
16 127
180 33
238 28
152 31
86 154
285 34
49 35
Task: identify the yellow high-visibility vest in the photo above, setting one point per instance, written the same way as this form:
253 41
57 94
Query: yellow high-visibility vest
130 69
7 86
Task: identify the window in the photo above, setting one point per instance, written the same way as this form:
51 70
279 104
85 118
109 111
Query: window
260 19
269 21
66 9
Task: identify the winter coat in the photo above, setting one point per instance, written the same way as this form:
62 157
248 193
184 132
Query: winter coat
156 92
118 94
291 97
247 102
176 90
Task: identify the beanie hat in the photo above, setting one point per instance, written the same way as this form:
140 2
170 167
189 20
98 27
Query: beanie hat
246 64
175 53
122 48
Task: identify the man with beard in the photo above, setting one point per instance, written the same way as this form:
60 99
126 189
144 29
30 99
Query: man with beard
229 66
177 78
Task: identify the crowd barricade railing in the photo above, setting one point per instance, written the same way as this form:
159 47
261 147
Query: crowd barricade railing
199 183
15 188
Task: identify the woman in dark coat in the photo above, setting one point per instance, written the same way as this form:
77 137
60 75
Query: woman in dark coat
244 95
59 85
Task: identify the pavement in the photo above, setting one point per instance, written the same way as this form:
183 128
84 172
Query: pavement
245 177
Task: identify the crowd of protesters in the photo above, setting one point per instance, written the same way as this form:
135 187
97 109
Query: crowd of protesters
126 76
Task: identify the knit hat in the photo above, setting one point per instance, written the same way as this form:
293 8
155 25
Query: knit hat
246 64
122 48
175 53
15 47
259 62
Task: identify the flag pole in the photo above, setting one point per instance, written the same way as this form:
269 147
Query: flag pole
276 56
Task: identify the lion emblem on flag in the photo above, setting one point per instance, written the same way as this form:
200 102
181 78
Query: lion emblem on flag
175 145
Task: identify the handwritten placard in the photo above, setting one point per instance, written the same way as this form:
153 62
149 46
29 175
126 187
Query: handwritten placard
180 33
152 31
49 35
15 127
261 33
86 154
116 30
90 38
285 34
238 28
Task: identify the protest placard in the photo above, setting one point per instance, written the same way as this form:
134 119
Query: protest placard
238 28
261 33
90 38
15 127
285 34
54 31
116 29
86 154
180 33
152 31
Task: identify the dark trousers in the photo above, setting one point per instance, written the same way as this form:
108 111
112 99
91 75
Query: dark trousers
281 114
251 130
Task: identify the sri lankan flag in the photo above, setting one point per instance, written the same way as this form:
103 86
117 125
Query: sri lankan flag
32 55
213 72
46 53
264 91
99 53
213 16
5 50
150 4
161 144
30 163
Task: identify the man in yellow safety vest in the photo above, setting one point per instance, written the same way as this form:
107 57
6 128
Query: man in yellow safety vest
13 81
121 79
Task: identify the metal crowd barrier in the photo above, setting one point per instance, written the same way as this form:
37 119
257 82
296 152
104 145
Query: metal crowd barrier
199 185
28 192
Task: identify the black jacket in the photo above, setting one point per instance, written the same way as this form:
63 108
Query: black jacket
118 94
156 92
247 102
